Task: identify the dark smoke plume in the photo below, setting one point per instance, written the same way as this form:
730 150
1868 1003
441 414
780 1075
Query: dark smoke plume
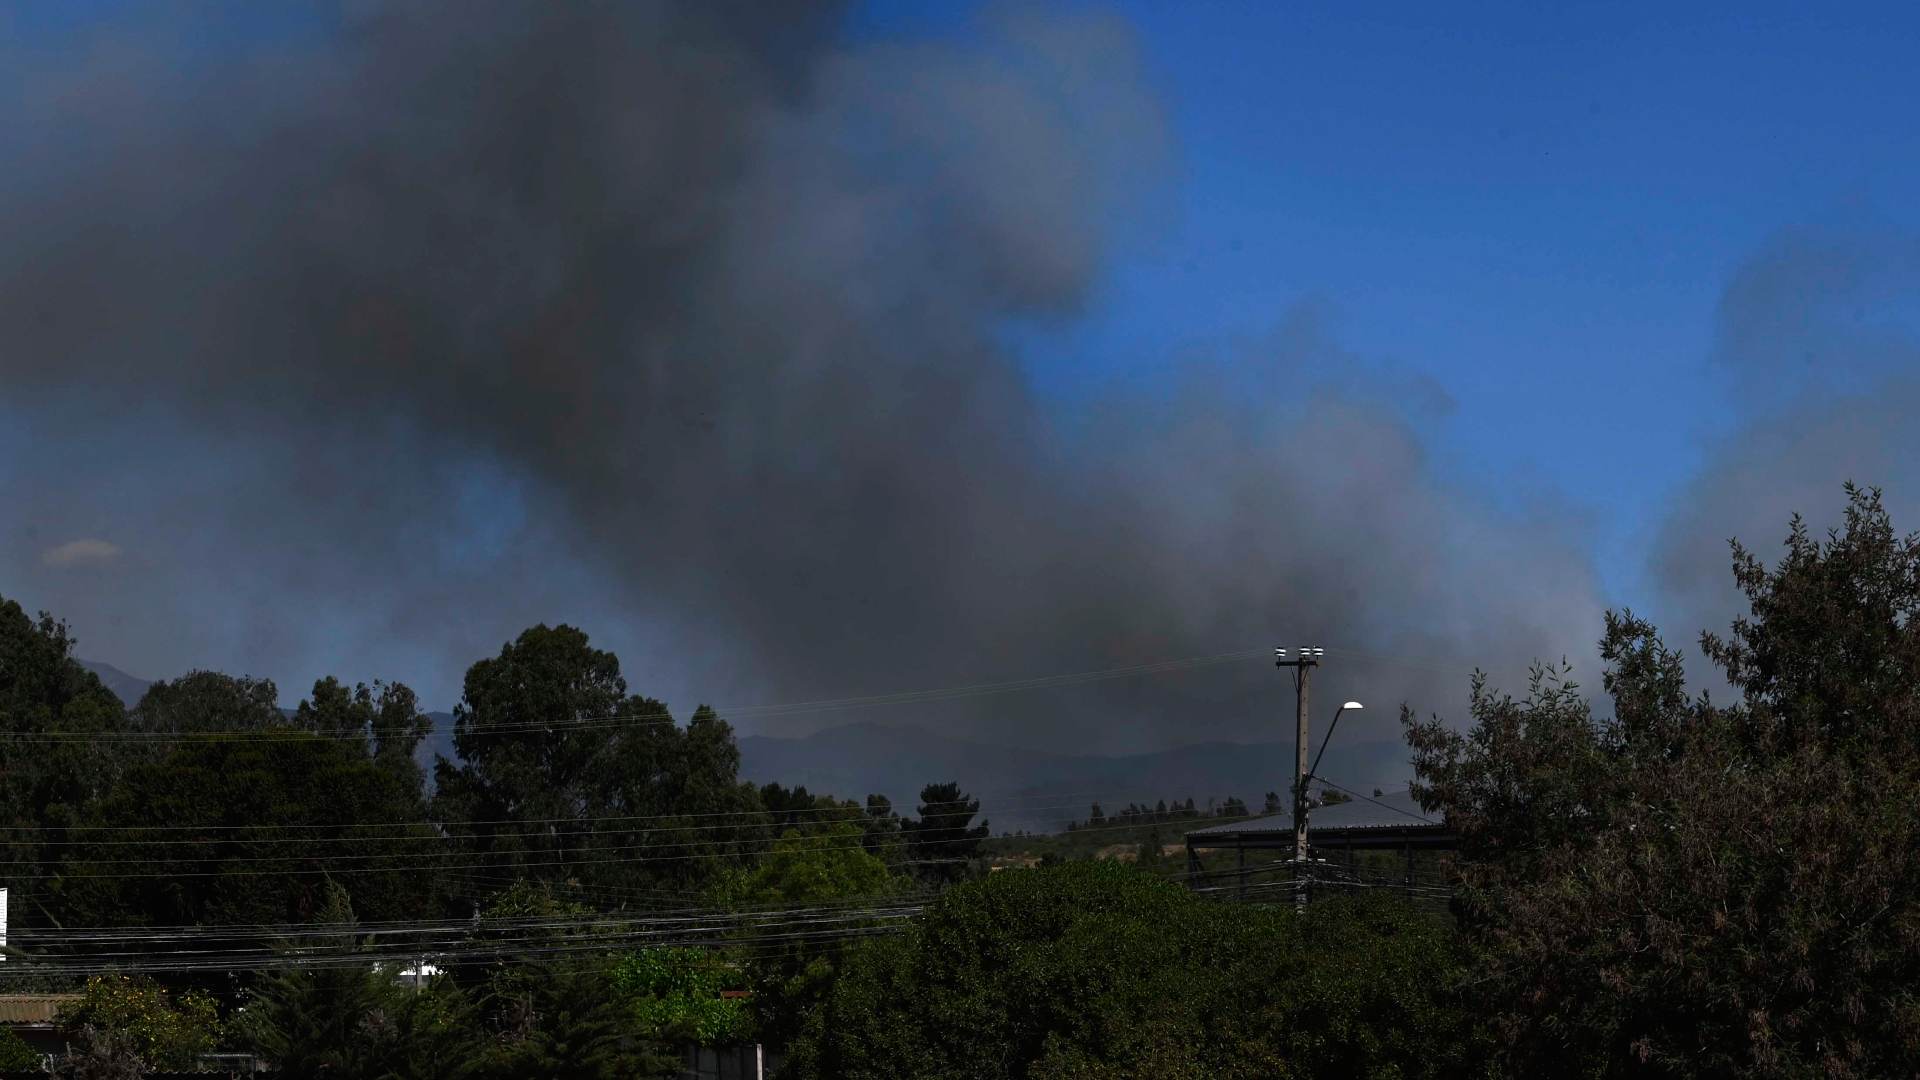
370 341
1819 342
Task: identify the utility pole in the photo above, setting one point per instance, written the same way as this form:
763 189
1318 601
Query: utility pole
1302 666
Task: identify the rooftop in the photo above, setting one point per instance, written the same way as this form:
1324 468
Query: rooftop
32 1009
1393 810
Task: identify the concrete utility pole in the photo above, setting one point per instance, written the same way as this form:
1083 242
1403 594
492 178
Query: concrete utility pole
1302 666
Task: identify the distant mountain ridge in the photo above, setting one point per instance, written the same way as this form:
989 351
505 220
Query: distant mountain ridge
1018 789
127 688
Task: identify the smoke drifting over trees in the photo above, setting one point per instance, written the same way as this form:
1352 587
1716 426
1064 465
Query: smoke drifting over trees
1819 344
365 341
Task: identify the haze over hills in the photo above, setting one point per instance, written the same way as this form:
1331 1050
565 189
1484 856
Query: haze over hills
1018 788
1021 789
127 688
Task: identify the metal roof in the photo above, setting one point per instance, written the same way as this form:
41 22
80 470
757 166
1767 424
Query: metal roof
1394 810
33 1009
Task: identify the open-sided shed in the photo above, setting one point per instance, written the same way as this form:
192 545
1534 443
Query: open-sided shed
1391 822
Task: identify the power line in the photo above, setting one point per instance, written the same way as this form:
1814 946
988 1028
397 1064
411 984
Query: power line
453 941
1377 802
657 717
509 952
759 819
255 931
511 860
414 938
1092 795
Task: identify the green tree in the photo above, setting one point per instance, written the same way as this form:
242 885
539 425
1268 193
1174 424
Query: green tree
548 1005
942 841
249 829
1094 969
207 702
163 1030
15 1054
1687 889
819 865
576 780
386 715
46 698
789 807
95 1054
560 1019
881 835
523 1015
676 996
824 866
343 1020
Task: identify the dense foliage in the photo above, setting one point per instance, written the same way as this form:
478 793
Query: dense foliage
528 1020
1094 969
564 776
682 995
358 1021
163 1030
544 1016
15 1054
819 867
1692 889
248 830
50 781
943 839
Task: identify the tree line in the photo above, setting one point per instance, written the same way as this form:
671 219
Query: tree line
1159 813
1655 881
205 804
1162 812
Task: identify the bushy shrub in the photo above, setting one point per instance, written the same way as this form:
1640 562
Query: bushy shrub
164 1030
1097 969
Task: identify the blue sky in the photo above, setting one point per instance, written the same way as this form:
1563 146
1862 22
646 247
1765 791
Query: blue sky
1537 205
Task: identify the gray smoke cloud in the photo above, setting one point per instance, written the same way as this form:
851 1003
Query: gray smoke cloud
374 341
1819 344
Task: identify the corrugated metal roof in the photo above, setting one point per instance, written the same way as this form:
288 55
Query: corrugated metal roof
1394 810
32 1008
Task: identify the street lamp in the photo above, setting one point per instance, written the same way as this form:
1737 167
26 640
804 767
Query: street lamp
1301 810
1313 772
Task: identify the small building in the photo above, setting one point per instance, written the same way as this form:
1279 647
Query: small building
1338 840
32 1017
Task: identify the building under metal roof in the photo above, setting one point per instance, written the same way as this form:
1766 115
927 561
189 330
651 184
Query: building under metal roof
33 1019
25 1010
1389 822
